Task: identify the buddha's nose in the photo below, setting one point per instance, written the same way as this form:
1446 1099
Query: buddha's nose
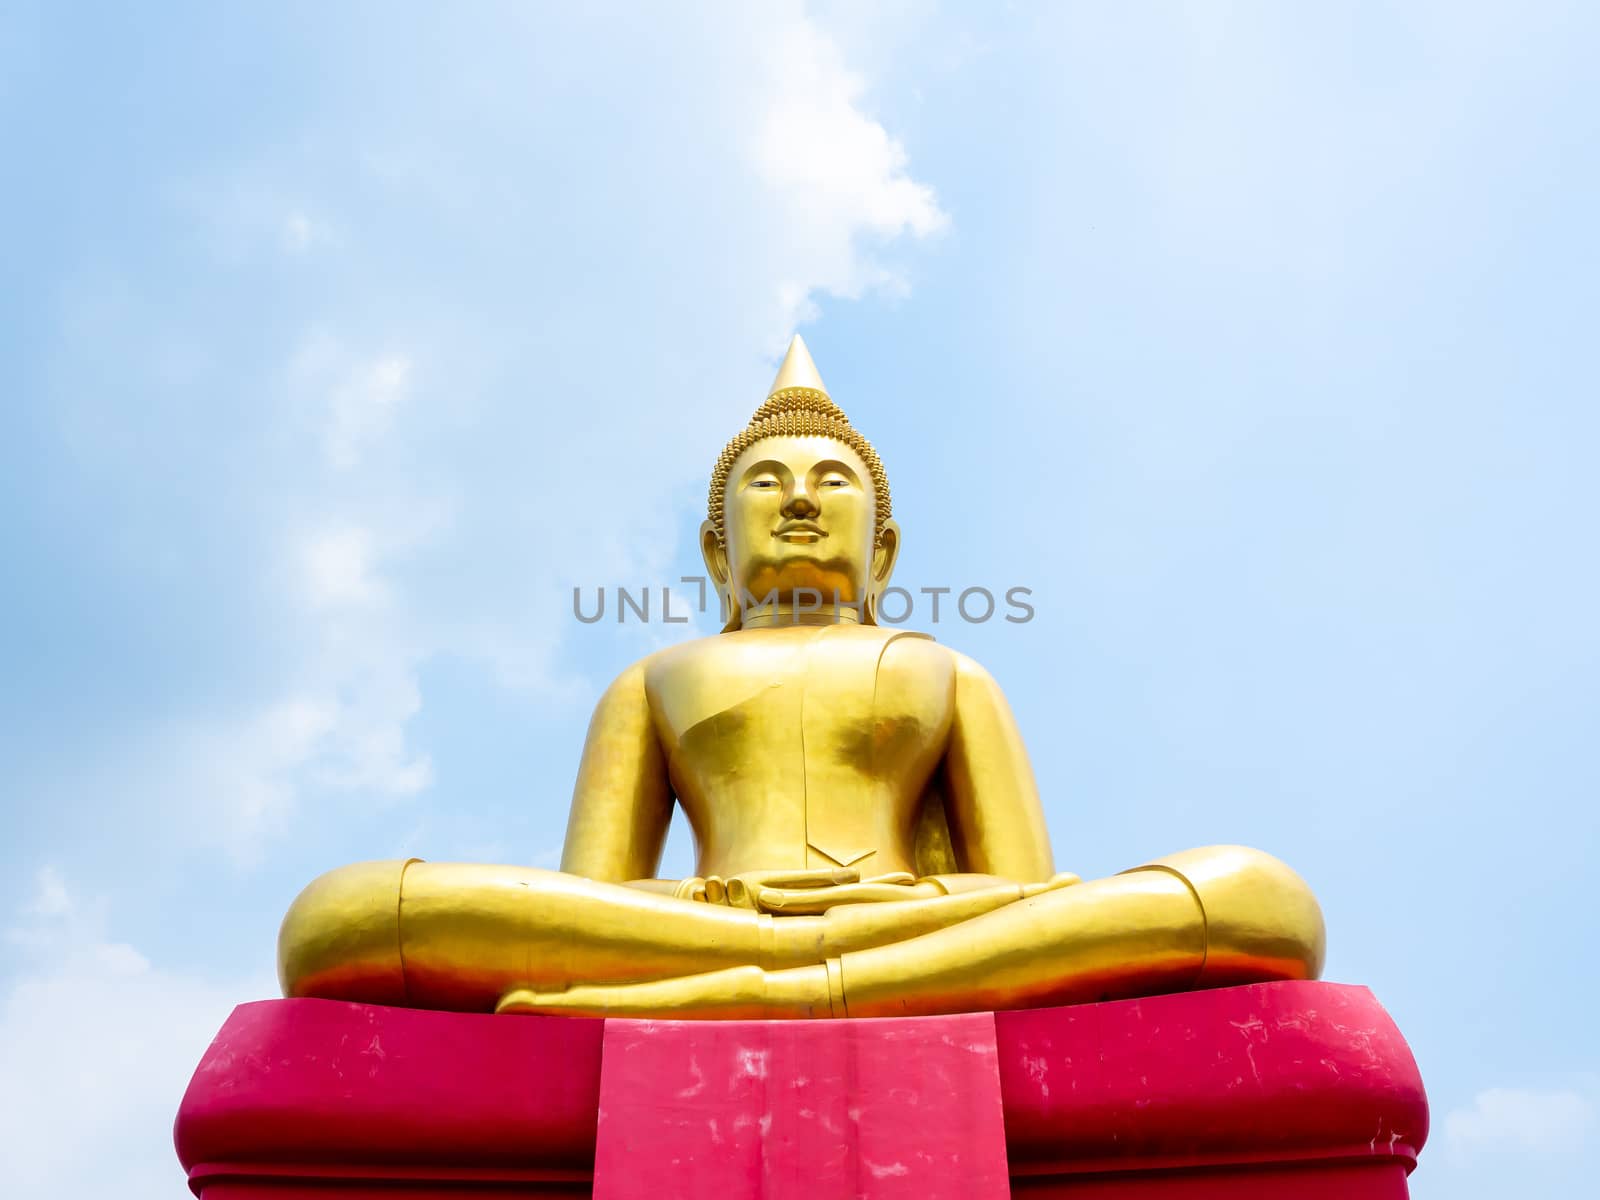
801 505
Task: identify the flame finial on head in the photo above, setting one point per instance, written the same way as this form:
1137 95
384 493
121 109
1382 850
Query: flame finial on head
798 371
798 404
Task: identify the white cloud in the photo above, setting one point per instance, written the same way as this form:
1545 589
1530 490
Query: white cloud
358 395
373 756
238 776
98 1045
247 215
339 570
825 188
337 722
1522 1119
340 723
51 899
241 779
495 392
836 178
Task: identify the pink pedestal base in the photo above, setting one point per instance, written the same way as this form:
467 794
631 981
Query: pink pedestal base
894 1110
1284 1089
1273 1090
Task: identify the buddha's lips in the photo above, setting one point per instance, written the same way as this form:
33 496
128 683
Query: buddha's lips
799 531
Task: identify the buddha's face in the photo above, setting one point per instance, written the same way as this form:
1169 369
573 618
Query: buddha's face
799 513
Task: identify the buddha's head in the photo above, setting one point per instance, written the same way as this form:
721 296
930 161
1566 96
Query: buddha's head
799 507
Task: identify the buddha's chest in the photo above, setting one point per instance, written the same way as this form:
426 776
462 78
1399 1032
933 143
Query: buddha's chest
808 744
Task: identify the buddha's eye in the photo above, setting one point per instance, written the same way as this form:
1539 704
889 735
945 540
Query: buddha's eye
763 483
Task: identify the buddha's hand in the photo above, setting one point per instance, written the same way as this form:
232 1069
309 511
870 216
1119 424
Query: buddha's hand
739 890
780 899
797 891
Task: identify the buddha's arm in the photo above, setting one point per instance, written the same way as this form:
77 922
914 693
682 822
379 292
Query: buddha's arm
992 804
622 803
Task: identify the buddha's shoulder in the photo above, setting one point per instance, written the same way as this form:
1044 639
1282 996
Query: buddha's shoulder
699 653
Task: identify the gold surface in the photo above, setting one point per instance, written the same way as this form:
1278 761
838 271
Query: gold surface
869 837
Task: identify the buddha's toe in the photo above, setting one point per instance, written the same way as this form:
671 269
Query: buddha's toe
340 939
1261 920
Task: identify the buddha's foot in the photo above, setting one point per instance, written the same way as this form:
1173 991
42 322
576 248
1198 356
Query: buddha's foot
738 993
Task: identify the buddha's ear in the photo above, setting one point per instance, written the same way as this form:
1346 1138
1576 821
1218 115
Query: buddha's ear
715 555
885 555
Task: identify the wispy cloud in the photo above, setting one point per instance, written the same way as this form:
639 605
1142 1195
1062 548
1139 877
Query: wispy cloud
358 396
420 505
839 181
1554 1121
98 1044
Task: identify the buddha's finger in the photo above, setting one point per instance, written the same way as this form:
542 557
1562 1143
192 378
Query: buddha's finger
693 888
716 890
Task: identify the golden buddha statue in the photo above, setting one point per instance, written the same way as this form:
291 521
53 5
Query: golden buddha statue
870 840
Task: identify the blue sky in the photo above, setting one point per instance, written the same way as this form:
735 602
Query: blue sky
339 346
